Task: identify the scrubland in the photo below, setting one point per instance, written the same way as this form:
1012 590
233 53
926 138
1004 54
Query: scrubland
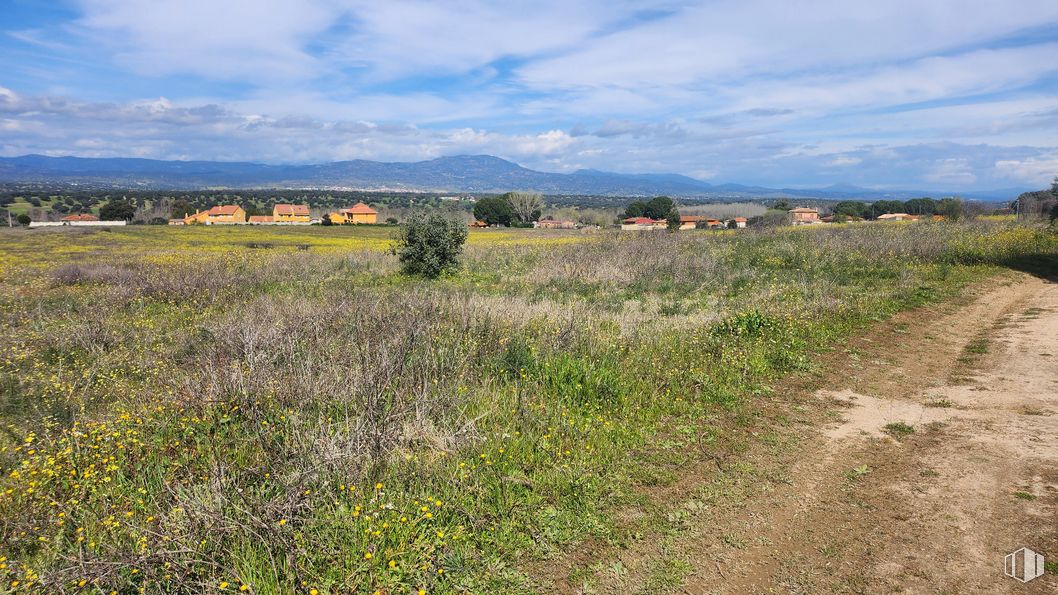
279 410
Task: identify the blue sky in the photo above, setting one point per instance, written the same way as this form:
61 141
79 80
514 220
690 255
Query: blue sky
929 94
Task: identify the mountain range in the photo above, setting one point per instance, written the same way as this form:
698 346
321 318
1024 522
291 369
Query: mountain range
462 173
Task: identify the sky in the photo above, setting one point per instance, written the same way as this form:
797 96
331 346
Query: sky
947 95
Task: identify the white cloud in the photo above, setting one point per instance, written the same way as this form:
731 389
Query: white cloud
260 40
732 39
946 92
1036 171
955 171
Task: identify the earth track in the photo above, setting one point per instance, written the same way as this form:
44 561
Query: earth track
839 504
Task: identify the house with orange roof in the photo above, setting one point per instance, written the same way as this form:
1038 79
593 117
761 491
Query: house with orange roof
643 223
804 216
291 214
219 215
358 213
554 224
740 222
79 217
897 217
690 221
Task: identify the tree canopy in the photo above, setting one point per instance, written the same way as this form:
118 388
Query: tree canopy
851 208
883 207
118 209
659 207
525 205
494 211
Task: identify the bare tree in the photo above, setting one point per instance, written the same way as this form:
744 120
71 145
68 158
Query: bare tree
526 205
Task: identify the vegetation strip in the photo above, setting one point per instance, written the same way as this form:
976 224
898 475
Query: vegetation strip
189 414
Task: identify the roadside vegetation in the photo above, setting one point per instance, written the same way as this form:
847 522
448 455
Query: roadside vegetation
283 410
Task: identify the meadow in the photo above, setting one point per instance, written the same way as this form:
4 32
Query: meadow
273 410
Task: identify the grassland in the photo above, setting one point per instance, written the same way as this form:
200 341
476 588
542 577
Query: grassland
278 410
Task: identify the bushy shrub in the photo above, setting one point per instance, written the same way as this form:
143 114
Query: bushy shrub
430 245
117 210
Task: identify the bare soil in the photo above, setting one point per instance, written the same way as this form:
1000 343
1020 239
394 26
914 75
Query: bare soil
924 452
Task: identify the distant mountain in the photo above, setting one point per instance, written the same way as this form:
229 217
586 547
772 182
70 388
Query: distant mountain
466 173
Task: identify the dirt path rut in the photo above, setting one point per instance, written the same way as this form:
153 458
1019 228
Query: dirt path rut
931 453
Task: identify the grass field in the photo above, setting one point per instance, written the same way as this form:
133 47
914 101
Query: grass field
279 410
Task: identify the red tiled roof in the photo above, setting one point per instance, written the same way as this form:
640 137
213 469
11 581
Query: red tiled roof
295 210
360 209
261 219
690 218
640 220
741 219
223 210
80 217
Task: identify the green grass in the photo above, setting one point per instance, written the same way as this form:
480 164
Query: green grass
898 430
182 408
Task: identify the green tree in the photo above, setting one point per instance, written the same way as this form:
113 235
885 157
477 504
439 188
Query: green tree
659 207
494 211
181 208
672 222
882 207
117 209
430 245
326 219
851 208
23 219
636 208
782 205
1054 213
951 208
921 206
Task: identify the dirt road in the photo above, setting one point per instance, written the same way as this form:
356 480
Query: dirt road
932 453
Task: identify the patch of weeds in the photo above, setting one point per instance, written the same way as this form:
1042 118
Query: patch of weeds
734 541
898 430
941 403
1033 410
928 473
1051 567
977 346
1024 496
667 576
678 521
857 472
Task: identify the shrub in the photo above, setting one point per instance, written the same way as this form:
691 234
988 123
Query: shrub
23 219
430 245
117 210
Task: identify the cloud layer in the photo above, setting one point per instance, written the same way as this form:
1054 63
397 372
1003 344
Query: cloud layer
950 94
